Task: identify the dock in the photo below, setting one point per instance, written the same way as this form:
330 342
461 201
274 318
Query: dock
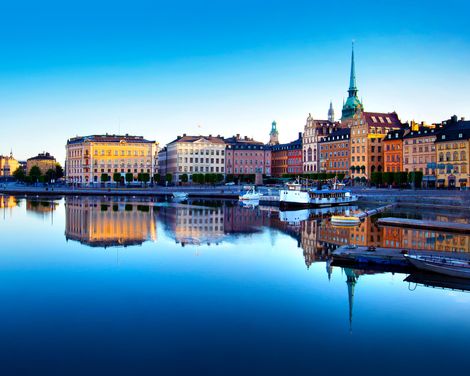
427 225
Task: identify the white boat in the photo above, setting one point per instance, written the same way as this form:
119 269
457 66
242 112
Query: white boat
251 195
344 220
180 195
441 264
300 194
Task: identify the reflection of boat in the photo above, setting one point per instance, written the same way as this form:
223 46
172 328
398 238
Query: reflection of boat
438 280
251 194
344 220
249 203
441 264
180 195
299 194
305 214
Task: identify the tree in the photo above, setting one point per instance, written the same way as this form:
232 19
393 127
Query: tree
117 177
59 171
415 177
35 173
184 178
50 175
105 178
388 178
143 177
219 178
156 178
129 177
376 178
168 178
19 174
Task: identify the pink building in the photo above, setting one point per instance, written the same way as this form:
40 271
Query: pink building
244 156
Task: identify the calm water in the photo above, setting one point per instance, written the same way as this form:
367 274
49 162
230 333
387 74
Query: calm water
116 286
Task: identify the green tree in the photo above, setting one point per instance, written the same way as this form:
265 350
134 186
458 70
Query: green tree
415 178
105 178
184 178
156 178
59 171
219 178
117 177
376 178
143 177
388 178
50 175
19 174
168 178
129 177
35 173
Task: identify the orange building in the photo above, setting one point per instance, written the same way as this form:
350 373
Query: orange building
393 151
334 152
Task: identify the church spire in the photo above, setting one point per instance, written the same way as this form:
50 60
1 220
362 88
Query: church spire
331 113
352 79
352 104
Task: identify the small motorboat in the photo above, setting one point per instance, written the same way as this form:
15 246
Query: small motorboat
446 265
251 194
180 195
344 220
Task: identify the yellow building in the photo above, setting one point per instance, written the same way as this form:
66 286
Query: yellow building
8 165
44 161
453 155
100 223
90 157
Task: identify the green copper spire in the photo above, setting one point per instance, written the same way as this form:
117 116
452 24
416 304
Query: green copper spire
352 79
353 104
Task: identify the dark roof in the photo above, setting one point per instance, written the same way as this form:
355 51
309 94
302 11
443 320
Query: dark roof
337 135
42 157
422 132
108 138
185 138
396 134
457 131
388 119
236 142
297 144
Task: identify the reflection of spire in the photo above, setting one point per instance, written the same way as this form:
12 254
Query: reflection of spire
351 279
329 268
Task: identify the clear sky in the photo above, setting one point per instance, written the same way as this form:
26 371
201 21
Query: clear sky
163 68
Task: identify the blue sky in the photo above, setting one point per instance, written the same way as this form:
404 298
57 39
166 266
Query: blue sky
160 69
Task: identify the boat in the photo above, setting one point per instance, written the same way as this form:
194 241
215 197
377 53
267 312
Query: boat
251 195
180 195
450 266
345 220
298 194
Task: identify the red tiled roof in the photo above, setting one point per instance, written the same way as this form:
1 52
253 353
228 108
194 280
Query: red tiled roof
389 119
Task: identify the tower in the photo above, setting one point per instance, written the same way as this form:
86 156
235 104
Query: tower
352 104
331 113
274 134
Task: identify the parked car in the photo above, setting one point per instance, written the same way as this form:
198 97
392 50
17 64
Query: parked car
230 183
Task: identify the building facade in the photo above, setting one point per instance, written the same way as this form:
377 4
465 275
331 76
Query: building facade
246 156
334 152
452 153
195 154
89 158
287 158
393 151
8 165
44 161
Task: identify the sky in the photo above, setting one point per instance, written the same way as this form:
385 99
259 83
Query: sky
161 69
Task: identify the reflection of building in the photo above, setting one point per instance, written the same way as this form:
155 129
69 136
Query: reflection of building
238 219
8 165
246 156
41 206
100 223
7 202
89 158
44 161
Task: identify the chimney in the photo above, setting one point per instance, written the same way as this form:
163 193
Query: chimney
238 136
300 135
210 135
184 134
462 118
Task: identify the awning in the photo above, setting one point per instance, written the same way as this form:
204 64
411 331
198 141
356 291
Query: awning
441 180
462 180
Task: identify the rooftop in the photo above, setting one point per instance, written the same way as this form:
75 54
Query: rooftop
108 138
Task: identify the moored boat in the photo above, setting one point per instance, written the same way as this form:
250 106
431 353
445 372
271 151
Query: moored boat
180 195
450 266
250 195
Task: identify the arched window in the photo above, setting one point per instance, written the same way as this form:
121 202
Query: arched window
448 156
372 169
441 157
462 156
379 169
455 156
309 154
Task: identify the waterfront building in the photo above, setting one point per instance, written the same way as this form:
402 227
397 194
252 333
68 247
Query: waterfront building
88 158
195 154
102 223
44 161
368 129
8 165
287 158
246 156
393 151
314 132
274 134
163 162
419 153
334 152
452 154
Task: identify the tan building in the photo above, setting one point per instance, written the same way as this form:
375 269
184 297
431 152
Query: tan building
44 161
195 155
334 152
89 158
100 223
453 155
8 165
419 153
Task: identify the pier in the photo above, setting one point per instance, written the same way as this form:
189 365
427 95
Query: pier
427 225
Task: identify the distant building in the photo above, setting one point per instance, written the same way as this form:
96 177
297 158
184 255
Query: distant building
44 161
195 154
88 158
273 135
162 162
452 152
334 152
287 158
246 156
393 151
8 165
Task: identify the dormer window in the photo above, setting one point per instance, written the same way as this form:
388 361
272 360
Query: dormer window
388 120
460 135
